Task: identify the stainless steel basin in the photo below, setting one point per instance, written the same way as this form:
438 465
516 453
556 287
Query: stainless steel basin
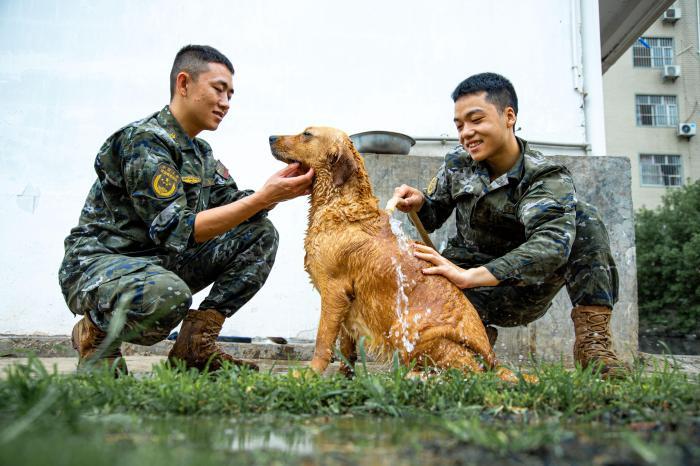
382 142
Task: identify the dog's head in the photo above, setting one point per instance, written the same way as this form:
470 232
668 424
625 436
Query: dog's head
323 149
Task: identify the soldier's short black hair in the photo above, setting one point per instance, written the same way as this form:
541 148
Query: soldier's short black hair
499 91
195 59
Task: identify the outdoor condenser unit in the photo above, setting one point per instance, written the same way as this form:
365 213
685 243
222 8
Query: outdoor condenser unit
672 15
687 130
672 71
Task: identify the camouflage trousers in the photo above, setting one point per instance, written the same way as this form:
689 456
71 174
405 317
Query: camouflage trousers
590 276
148 296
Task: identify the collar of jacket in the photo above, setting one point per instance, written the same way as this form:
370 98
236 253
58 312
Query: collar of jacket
516 171
170 124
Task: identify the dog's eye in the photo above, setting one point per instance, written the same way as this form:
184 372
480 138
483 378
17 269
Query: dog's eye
307 134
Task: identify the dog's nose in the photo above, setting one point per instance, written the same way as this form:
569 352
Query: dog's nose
273 139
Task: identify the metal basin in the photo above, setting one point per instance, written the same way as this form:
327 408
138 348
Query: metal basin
382 142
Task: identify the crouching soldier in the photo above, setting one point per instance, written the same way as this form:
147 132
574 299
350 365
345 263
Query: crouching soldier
522 233
164 220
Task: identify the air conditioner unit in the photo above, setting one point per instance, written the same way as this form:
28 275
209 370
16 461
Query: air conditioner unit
672 71
687 129
671 15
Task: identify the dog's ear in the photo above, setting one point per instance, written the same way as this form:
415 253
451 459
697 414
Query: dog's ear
343 164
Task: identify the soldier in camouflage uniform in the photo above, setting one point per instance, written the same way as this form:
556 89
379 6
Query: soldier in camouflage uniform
164 220
522 233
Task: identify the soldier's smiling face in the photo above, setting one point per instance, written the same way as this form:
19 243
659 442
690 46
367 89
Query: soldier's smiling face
483 129
208 96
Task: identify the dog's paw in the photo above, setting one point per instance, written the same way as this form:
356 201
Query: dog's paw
347 371
303 373
508 375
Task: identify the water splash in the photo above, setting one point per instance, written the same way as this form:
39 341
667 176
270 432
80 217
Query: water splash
401 237
402 308
404 334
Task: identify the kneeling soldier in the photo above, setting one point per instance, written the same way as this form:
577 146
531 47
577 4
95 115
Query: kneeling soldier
164 220
521 232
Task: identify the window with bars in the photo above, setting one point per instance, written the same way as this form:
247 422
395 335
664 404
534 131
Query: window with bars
658 54
657 110
661 170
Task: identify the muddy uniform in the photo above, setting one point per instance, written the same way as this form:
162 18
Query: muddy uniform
132 256
528 229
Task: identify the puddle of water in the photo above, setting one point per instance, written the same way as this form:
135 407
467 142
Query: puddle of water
353 440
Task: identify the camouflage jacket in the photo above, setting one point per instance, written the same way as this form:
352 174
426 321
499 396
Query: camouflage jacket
520 226
152 179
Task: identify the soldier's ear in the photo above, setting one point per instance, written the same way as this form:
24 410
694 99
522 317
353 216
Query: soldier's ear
511 117
181 81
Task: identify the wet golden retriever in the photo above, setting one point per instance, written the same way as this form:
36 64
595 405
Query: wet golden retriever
369 284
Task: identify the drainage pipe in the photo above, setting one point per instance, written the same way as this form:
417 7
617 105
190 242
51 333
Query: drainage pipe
697 15
448 140
594 109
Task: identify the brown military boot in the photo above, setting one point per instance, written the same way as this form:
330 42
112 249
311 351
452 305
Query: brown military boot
593 341
87 340
195 344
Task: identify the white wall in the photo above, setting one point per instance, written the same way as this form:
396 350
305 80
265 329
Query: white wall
73 72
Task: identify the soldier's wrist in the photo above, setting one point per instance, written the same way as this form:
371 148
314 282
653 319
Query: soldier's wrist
261 201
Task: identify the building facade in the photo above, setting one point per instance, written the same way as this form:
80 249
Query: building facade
652 100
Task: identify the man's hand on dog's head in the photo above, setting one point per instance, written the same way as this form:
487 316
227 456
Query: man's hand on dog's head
290 182
409 199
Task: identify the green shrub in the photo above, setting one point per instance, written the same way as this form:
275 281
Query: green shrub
668 259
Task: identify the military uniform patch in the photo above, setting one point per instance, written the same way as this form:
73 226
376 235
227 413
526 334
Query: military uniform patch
165 181
191 179
432 186
222 170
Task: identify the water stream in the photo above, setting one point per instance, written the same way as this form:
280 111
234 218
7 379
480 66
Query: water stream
407 340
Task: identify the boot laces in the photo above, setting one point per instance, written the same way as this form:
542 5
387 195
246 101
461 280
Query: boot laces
596 340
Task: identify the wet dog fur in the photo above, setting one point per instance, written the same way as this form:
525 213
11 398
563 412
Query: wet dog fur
354 259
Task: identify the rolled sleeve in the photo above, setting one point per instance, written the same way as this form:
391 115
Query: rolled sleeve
165 212
225 191
548 213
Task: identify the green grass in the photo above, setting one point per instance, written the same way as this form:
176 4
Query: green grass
50 417
578 394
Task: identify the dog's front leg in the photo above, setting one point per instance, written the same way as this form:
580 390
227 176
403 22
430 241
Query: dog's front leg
348 348
335 302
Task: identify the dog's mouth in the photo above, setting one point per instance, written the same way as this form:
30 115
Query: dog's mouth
282 157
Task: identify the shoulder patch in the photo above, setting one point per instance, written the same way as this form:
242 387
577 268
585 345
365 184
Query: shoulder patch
432 186
164 182
222 170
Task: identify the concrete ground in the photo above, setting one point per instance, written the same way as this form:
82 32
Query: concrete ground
56 351
138 364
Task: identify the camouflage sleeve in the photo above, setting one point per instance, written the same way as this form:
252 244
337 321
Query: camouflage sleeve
156 191
224 191
548 213
438 201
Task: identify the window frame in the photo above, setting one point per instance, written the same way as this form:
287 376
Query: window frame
658 52
670 116
678 157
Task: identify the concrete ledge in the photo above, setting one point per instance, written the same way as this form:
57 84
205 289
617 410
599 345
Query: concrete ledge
14 349
60 346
